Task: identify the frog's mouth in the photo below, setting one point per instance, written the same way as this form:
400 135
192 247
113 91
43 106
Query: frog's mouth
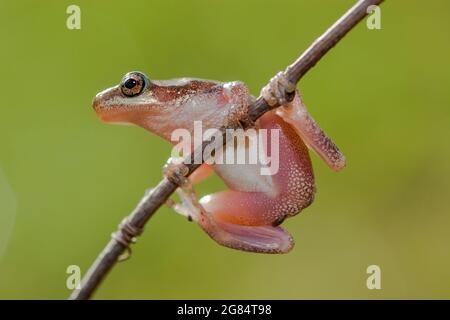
112 115
108 118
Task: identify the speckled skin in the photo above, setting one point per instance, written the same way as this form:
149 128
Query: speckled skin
247 216
249 220
292 187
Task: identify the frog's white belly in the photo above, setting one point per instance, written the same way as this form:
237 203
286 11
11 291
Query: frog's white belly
244 177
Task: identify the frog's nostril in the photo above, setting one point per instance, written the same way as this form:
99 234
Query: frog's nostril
105 101
98 100
98 103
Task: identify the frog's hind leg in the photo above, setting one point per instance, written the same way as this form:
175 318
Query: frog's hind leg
248 216
295 113
260 239
263 239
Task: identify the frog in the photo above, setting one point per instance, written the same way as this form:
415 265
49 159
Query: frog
248 215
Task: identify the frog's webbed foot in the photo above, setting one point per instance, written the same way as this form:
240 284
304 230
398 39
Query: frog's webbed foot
279 90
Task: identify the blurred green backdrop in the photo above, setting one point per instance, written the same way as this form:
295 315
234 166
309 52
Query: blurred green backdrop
66 179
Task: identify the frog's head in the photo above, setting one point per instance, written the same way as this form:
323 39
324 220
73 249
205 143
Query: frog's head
157 106
126 102
137 100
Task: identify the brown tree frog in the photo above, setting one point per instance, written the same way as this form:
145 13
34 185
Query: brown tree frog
248 215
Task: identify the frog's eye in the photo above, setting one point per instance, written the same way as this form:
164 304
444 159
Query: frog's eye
133 83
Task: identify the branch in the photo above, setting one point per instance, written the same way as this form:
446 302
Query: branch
133 225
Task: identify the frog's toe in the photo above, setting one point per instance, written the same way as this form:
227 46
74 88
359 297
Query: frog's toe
279 90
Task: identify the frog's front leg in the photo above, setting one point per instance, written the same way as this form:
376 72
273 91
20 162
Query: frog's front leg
176 172
296 114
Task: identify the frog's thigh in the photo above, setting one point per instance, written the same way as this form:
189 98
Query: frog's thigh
292 185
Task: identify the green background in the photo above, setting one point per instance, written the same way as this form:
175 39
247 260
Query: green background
66 179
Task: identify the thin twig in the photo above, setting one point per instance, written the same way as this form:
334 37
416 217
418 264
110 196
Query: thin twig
135 222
